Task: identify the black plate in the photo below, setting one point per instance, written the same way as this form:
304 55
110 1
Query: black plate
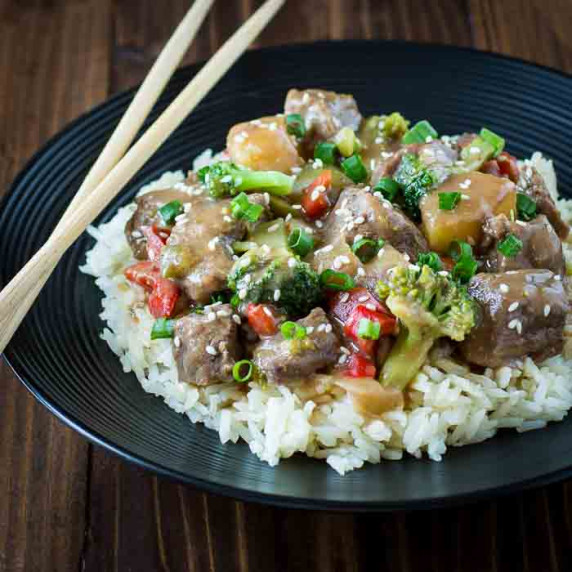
59 357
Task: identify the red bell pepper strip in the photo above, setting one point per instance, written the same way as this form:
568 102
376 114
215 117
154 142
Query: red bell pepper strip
361 312
261 319
508 166
156 239
359 366
143 273
163 298
315 200
342 304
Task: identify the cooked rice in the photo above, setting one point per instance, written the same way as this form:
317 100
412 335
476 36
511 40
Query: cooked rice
449 406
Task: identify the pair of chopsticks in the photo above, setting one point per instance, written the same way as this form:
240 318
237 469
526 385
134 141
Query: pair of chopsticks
113 169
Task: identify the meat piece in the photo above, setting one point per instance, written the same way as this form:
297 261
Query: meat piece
358 212
206 346
541 246
438 157
146 214
324 112
521 313
388 164
336 256
200 243
532 184
290 360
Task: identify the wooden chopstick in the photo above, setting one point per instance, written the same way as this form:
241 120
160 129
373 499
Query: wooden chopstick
13 298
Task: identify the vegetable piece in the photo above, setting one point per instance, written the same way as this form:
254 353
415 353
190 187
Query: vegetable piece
342 304
448 201
300 242
292 330
366 248
177 260
347 142
162 328
156 239
421 132
242 371
354 168
385 326
388 188
225 179
496 141
163 298
525 206
508 166
476 154
510 246
393 126
429 306
326 152
295 125
430 259
242 208
170 211
368 329
144 274
241 246
369 397
261 319
415 180
359 366
332 280
315 201
465 264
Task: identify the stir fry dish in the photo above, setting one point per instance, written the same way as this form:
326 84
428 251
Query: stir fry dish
347 287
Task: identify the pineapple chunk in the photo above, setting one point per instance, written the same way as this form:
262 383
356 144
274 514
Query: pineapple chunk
483 197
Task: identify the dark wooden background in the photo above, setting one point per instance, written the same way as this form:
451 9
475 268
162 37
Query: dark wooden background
65 505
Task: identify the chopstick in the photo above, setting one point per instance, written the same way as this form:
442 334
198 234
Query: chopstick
13 298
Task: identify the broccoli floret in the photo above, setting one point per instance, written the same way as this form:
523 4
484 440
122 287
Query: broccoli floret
429 306
275 276
415 180
393 126
225 179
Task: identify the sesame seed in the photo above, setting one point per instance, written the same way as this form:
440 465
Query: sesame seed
520 223
344 297
297 207
309 329
345 259
236 319
359 220
360 271
504 288
226 179
223 314
177 342
273 126
386 155
474 150
288 217
210 350
342 359
292 262
378 140
407 257
315 194
345 350
465 197
380 253
273 228
547 310
519 327
136 234
358 237
328 328
414 267
317 164
295 170
321 328
180 218
266 198
211 317
512 324
213 242
558 278
267 311
337 263
372 164
428 139
226 218
277 295
443 273
319 224
513 307
327 248
363 298
187 207
370 306
242 293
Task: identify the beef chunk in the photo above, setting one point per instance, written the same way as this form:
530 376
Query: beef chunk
521 313
324 112
541 246
290 360
206 346
358 212
532 184
146 214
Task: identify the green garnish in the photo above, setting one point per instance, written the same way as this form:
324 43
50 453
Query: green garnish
292 330
171 210
510 246
242 208
366 248
300 242
466 265
162 328
346 141
421 132
525 207
354 168
388 188
326 152
415 180
242 370
368 329
448 201
333 280
430 259
295 125
493 139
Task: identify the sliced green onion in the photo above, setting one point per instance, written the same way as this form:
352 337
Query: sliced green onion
420 133
292 330
171 210
466 265
295 125
448 201
460 249
241 246
162 328
300 242
430 259
495 140
366 248
525 206
354 168
326 152
368 329
242 370
333 280
510 246
242 208
388 188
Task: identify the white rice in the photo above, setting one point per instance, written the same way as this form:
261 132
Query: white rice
449 405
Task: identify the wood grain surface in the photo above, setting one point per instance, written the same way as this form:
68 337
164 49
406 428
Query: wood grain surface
65 505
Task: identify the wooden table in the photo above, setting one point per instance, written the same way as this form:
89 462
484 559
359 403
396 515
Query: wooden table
66 505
